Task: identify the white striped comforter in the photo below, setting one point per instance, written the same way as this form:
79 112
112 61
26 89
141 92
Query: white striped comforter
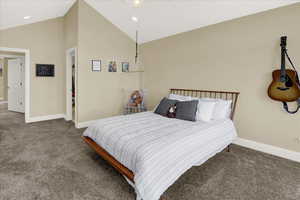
158 150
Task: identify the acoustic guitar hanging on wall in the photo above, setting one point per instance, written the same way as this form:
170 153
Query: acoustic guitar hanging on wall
285 86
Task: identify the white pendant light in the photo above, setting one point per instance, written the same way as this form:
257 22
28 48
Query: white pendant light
136 20
136 47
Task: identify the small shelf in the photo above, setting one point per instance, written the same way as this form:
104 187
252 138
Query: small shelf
139 71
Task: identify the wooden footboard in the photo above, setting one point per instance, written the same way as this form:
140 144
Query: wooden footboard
110 159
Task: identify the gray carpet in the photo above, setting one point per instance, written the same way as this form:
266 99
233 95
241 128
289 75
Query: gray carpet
49 161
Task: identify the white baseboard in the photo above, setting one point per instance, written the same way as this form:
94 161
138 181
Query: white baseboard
45 118
277 151
3 102
85 124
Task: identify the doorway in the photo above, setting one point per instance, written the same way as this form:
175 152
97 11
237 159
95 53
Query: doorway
17 86
71 84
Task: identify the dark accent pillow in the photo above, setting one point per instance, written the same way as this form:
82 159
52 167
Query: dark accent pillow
186 110
172 112
164 106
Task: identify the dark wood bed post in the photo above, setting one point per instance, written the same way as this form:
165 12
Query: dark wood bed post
228 148
186 92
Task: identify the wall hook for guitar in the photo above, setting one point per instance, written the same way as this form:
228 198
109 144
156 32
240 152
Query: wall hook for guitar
285 86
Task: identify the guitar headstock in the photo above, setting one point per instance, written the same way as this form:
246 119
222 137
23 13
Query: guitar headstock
283 41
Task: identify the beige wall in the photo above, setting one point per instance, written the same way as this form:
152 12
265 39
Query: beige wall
100 93
45 40
71 27
237 55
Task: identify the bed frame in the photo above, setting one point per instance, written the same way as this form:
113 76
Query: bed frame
186 92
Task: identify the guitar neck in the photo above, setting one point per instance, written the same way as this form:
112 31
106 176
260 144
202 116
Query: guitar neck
283 72
283 49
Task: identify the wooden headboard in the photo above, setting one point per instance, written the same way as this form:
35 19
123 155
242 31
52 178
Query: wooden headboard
210 94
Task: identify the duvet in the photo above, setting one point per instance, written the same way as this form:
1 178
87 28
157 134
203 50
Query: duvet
158 150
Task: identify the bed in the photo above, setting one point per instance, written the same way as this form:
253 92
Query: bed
152 151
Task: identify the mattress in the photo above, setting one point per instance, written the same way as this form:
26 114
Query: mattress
158 150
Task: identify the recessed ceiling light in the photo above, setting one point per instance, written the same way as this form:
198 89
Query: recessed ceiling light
27 17
137 3
135 19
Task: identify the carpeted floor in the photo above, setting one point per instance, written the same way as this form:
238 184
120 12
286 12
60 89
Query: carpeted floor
49 161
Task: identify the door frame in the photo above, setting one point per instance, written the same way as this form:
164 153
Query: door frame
27 77
69 108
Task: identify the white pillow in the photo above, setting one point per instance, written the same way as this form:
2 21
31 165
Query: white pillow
222 108
205 110
180 97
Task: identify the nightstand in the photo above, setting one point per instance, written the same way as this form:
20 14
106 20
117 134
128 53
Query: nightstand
133 109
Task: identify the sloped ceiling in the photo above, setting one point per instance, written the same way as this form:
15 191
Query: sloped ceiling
162 18
12 12
157 18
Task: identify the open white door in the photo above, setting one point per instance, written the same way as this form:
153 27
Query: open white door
71 59
16 91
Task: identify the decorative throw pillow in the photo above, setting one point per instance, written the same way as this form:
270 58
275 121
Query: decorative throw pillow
172 112
186 110
164 106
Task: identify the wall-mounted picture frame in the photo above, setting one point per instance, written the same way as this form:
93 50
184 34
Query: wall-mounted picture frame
112 66
45 70
125 66
96 65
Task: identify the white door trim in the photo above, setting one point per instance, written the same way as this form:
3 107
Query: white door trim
27 77
69 84
9 56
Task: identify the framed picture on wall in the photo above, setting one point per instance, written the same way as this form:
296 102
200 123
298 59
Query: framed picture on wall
112 66
96 65
125 66
45 70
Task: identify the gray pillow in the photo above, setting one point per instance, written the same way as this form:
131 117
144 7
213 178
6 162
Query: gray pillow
186 110
164 106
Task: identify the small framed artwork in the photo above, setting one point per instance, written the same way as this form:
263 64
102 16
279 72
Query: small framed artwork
112 66
125 66
96 65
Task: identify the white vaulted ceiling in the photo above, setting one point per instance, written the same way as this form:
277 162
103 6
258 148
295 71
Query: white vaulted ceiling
157 18
12 12
162 18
